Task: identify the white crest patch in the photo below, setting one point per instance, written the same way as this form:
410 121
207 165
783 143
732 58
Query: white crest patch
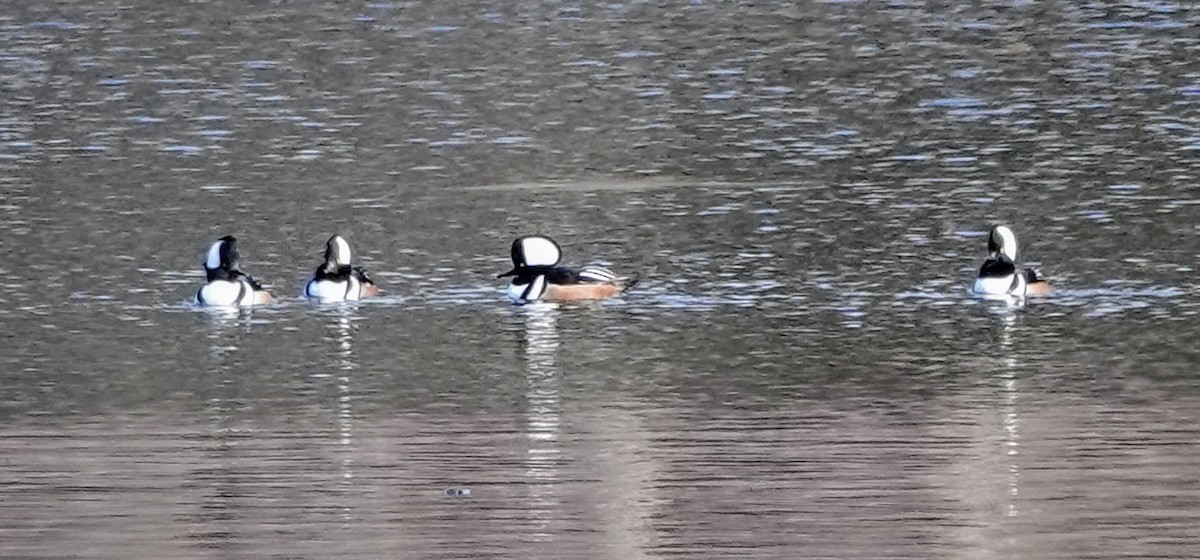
540 251
342 251
213 260
1008 242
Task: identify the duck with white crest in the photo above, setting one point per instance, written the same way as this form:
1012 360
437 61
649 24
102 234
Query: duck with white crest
338 280
228 285
537 276
1000 276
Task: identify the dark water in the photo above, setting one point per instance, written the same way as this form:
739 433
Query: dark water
801 374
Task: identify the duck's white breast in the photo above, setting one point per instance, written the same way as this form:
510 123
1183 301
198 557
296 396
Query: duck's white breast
225 292
515 291
999 285
328 290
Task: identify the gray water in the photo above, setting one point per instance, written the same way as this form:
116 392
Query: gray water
804 188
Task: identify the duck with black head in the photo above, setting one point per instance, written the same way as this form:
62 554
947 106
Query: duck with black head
1000 276
537 276
228 285
336 279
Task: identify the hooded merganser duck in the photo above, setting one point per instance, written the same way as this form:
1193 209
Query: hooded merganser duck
227 284
336 279
539 278
999 274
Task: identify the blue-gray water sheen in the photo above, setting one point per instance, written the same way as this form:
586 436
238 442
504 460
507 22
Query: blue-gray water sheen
804 187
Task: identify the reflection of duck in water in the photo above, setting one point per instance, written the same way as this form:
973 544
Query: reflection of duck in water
224 495
341 334
336 279
543 420
1010 411
227 284
224 324
539 278
541 361
999 274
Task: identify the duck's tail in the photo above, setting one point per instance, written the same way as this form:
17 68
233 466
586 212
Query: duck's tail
630 281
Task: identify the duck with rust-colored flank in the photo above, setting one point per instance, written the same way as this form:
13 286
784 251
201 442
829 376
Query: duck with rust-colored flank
537 276
999 275
227 285
336 279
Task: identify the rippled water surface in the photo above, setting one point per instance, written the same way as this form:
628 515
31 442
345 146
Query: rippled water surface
804 187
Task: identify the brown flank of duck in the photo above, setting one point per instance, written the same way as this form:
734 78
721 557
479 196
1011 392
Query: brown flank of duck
580 292
1039 288
369 289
